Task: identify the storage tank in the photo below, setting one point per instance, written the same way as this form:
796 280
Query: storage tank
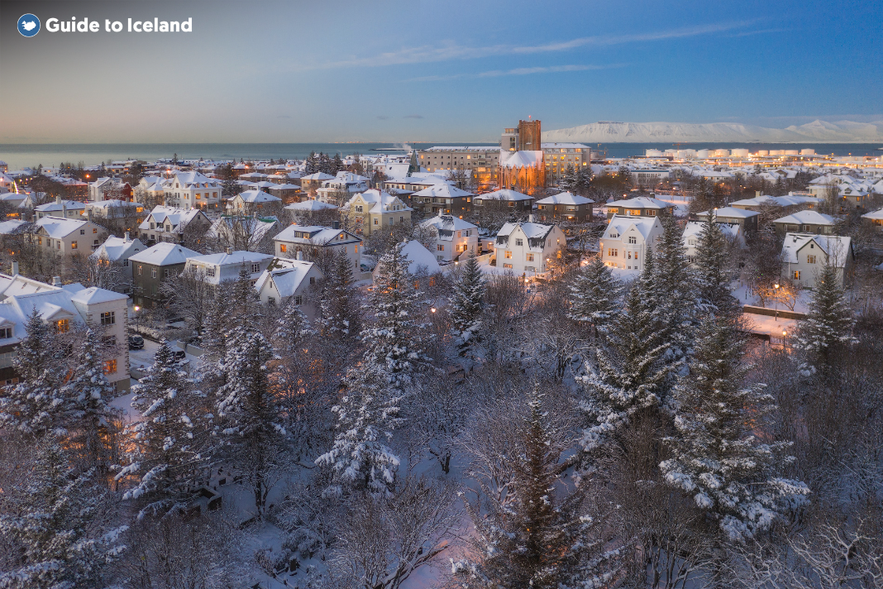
762 153
739 153
807 152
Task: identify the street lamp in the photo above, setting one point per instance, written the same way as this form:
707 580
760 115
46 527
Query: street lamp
776 299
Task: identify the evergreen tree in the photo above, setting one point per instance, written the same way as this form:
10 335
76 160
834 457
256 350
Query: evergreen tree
291 329
52 519
717 457
88 415
336 164
467 304
677 306
340 315
711 274
568 179
168 442
243 306
594 296
360 459
394 340
35 404
630 374
311 164
827 329
582 181
534 533
249 413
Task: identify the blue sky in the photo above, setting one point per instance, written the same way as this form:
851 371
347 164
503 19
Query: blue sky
391 70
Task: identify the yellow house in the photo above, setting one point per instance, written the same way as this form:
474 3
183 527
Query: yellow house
375 209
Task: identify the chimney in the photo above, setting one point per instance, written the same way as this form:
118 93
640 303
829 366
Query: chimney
15 268
229 251
56 281
757 193
89 214
128 237
530 218
58 199
300 255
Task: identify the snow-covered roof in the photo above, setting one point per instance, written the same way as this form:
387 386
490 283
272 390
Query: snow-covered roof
448 222
57 206
236 258
380 201
694 228
530 230
731 212
619 224
443 191
118 248
563 146
179 218
565 198
94 295
58 228
318 176
310 205
419 257
504 194
190 179
874 216
641 202
315 235
287 275
164 254
522 159
258 196
12 227
807 218
833 245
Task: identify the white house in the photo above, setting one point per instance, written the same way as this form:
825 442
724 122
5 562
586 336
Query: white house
118 249
252 201
456 238
732 231
168 223
344 183
529 248
218 268
188 190
420 259
875 219
65 209
300 241
60 308
804 255
284 279
69 236
628 239
806 221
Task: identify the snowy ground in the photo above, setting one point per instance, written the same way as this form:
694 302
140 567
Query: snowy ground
741 292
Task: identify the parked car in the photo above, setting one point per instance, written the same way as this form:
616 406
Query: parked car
136 342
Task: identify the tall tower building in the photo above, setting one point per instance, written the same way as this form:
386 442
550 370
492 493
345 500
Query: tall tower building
529 136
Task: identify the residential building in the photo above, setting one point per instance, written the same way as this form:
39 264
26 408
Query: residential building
852 197
341 188
152 267
648 176
875 219
557 157
627 241
804 255
254 202
310 183
316 243
693 230
763 201
218 268
514 201
65 209
483 162
284 280
170 224
61 307
642 206
805 222
421 262
746 219
443 199
118 249
529 248
375 209
189 190
121 210
455 238
253 234
109 189
67 237
565 206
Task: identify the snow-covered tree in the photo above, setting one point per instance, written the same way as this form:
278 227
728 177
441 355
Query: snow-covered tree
568 179
719 456
340 314
467 304
531 530
394 339
360 458
676 307
630 372
168 446
53 520
249 414
34 405
594 296
291 329
88 416
712 278
827 328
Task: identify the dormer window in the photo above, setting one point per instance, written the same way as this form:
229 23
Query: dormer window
6 333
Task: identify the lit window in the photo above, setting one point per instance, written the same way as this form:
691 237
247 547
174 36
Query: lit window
519 242
73 245
440 247
108 318
110 366
62 325
153 272
508 255
810 259
796 275
282 248
530 257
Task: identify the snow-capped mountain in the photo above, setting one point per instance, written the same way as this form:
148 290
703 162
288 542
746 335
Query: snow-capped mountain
815 132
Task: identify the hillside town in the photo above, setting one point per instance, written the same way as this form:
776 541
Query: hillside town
520 364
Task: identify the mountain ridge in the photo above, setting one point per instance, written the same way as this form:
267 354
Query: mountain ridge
817 131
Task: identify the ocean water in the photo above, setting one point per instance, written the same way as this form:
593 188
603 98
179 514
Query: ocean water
18 156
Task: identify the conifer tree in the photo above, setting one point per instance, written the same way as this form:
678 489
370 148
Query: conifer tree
568 179
168 443
360 459
717 457
87 413
631 374
53 520
249 413
467 304
35 404
677 303
594 296
711 274
340 316
827 329
394 339
291 329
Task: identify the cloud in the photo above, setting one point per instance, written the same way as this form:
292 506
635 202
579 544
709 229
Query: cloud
521 71
450 50
412 117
